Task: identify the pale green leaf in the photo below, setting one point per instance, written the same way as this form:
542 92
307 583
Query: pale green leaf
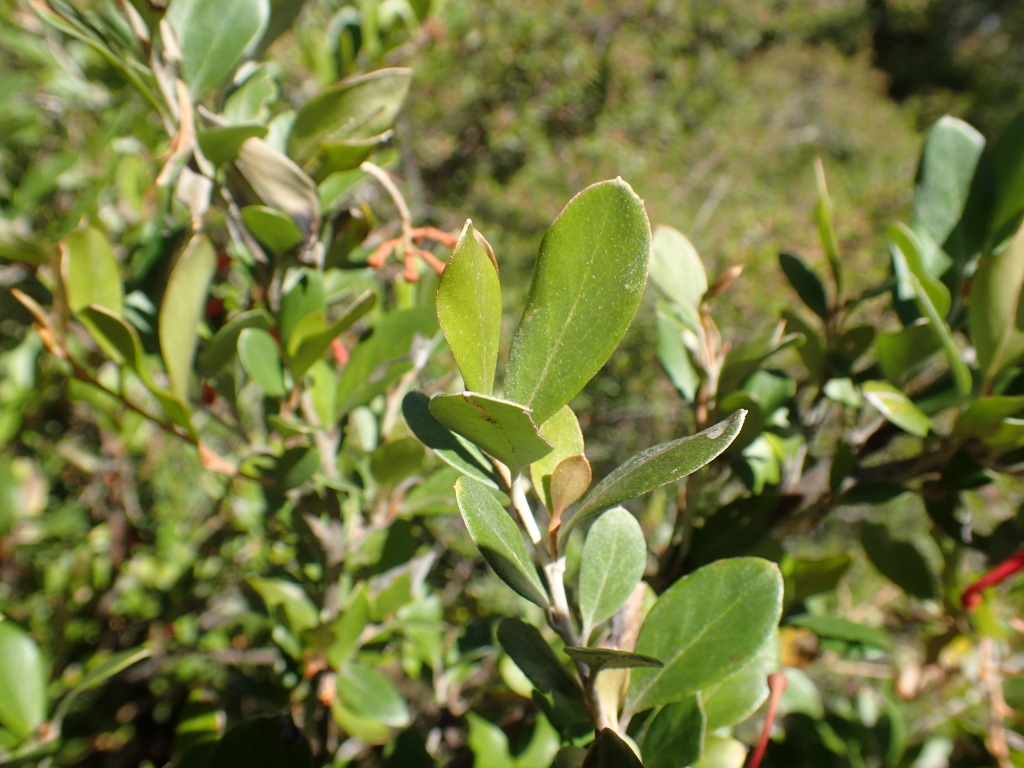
22 681
275 230
260 357
182 311
677 271
996 312
657 466
90 271
469 309
944 173
896 407
586 288
500 428
705 626
563 431
499 539
369 693
612 564
214 37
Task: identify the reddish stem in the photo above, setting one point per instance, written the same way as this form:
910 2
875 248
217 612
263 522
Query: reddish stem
971 597
776 685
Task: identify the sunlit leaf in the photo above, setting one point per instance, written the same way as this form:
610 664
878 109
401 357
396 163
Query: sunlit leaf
90 271
22 681
612 564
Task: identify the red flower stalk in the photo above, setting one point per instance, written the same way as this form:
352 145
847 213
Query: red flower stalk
776 685
971 597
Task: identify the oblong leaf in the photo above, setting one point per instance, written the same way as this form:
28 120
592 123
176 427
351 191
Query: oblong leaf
214 37
703 627
501 429
948 161
612 564
586 288
499 539
451 448
22 681
996 312
261 359
181 311
897 407
371 694
276 181
531 653
359 107
806 283
610 658
657 466
90 271
469 309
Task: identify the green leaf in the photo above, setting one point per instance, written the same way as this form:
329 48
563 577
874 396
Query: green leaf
312 335
272 179
469 309
114 333
944 173
703 627
823 215
806 283
996 311
675 735
275 230
563 432
451 448
359 107
263 742
181 311
737 697
899 561
220 144
837 628
674 353
988 418
1006 161
933 301
612 564
897 407
500 428
488 743
112 665
531 653
304 294
902 353
214 37
90 271
294 467
261 359
610 658
299 611
586 288
499 539
677 272
610 751
224 344
369 693
657 466
22 681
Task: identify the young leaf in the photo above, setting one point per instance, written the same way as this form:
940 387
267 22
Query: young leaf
610 658
182 310
214 37
451 448
563 432
22 681
897 407
357 108
996 312
261 359
531 653
469 309
90 271
612 564
657 466
501 429
703 627
586 288
806 283
499 539
569 482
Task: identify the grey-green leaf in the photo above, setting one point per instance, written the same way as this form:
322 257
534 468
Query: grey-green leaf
996 312
499 539
469 309
948 161
531 653
501 429
612 564
90 271
22 681
705 626
657 466
214 37
182 310
586 288
261 359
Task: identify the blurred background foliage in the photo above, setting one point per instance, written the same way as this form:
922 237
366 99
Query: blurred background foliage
111 534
